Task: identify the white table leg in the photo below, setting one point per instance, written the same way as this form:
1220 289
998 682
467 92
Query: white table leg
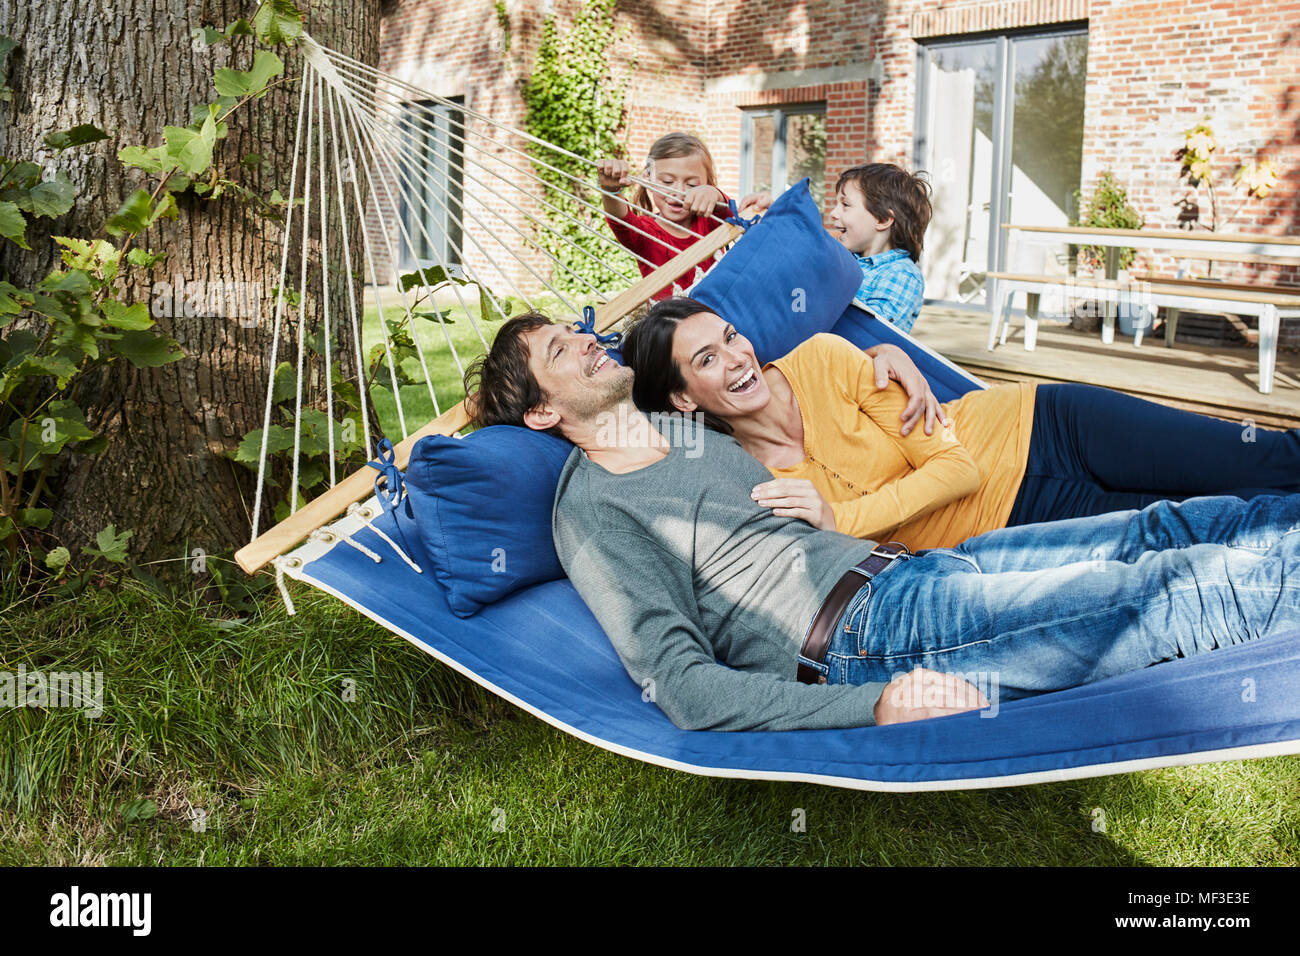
1171 327
1031 321
996 319
1108 322
1269 322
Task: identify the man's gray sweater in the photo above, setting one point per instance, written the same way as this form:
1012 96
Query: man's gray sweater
683 570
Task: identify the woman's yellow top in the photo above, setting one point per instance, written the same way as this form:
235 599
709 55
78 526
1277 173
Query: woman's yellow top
927 491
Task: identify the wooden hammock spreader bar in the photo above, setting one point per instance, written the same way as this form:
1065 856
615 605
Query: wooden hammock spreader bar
320 511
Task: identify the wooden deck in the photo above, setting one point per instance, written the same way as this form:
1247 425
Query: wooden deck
1215 381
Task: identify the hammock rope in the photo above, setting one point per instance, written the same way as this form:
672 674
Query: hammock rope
374 142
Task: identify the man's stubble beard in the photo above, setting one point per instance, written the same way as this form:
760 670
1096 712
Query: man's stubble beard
616 390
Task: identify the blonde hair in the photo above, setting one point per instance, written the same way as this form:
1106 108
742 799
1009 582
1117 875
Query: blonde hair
674 146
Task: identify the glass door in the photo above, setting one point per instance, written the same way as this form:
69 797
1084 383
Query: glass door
1000 131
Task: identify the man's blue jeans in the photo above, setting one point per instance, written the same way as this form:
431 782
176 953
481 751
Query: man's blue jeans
1048 606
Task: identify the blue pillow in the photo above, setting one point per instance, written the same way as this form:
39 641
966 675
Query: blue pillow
783 281
482 505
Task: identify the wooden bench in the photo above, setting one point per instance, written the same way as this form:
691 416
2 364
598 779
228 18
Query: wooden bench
1270 303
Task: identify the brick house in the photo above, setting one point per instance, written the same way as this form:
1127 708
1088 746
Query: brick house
1010 106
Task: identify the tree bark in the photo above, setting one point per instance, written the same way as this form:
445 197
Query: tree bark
131 69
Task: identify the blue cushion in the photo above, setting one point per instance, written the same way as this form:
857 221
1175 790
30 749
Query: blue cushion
482 507
755 286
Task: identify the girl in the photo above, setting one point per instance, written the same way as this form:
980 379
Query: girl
686 202
1013 454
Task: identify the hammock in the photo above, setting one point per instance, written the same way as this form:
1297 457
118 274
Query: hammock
540 647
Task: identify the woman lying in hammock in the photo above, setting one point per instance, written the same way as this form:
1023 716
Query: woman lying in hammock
1010 455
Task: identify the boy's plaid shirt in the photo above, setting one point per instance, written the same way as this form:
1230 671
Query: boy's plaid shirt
892 287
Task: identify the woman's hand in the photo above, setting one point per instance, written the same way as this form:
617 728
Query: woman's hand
613 173
701 199
795 498
923 694
754 203
892 362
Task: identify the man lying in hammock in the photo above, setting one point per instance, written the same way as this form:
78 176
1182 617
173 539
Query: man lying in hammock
735 618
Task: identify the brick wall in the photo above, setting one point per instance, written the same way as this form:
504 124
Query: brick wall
1154 69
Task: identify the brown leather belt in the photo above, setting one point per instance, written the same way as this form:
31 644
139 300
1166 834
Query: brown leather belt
818 639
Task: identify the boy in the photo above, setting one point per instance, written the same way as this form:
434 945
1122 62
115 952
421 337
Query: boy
881 212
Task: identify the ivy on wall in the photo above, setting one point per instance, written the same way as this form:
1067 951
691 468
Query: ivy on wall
575 103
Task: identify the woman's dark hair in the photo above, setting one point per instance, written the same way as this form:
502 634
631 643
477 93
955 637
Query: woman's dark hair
648 350
891 192
499 386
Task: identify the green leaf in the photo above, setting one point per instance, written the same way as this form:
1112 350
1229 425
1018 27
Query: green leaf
13 225
432 276
252 160
132 318
278 439
38 366
7 46
79 135
86 253
147 350
74 281
35 517
240 27
53 197
277 21
132 216
12 301
136 214
58 559
112 546
151 160
144 259
487 309
191 150
166 209
286 383
241 83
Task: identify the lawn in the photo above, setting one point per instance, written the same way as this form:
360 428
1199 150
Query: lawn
234 742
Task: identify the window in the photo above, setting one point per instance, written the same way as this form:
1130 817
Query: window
434 161
782 145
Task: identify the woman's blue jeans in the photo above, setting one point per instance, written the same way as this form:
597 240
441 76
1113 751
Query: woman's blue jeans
1094 450
1048 606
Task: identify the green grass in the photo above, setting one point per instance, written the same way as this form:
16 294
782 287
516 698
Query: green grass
246 721
437 341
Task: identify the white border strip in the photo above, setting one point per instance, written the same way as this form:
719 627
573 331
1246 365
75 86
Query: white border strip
1252 751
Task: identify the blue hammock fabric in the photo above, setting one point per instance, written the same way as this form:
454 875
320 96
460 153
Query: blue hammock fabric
542 649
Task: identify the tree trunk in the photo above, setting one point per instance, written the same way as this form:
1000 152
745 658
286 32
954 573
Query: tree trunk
131 69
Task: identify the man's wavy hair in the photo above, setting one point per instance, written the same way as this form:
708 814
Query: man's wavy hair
499 386
889 191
